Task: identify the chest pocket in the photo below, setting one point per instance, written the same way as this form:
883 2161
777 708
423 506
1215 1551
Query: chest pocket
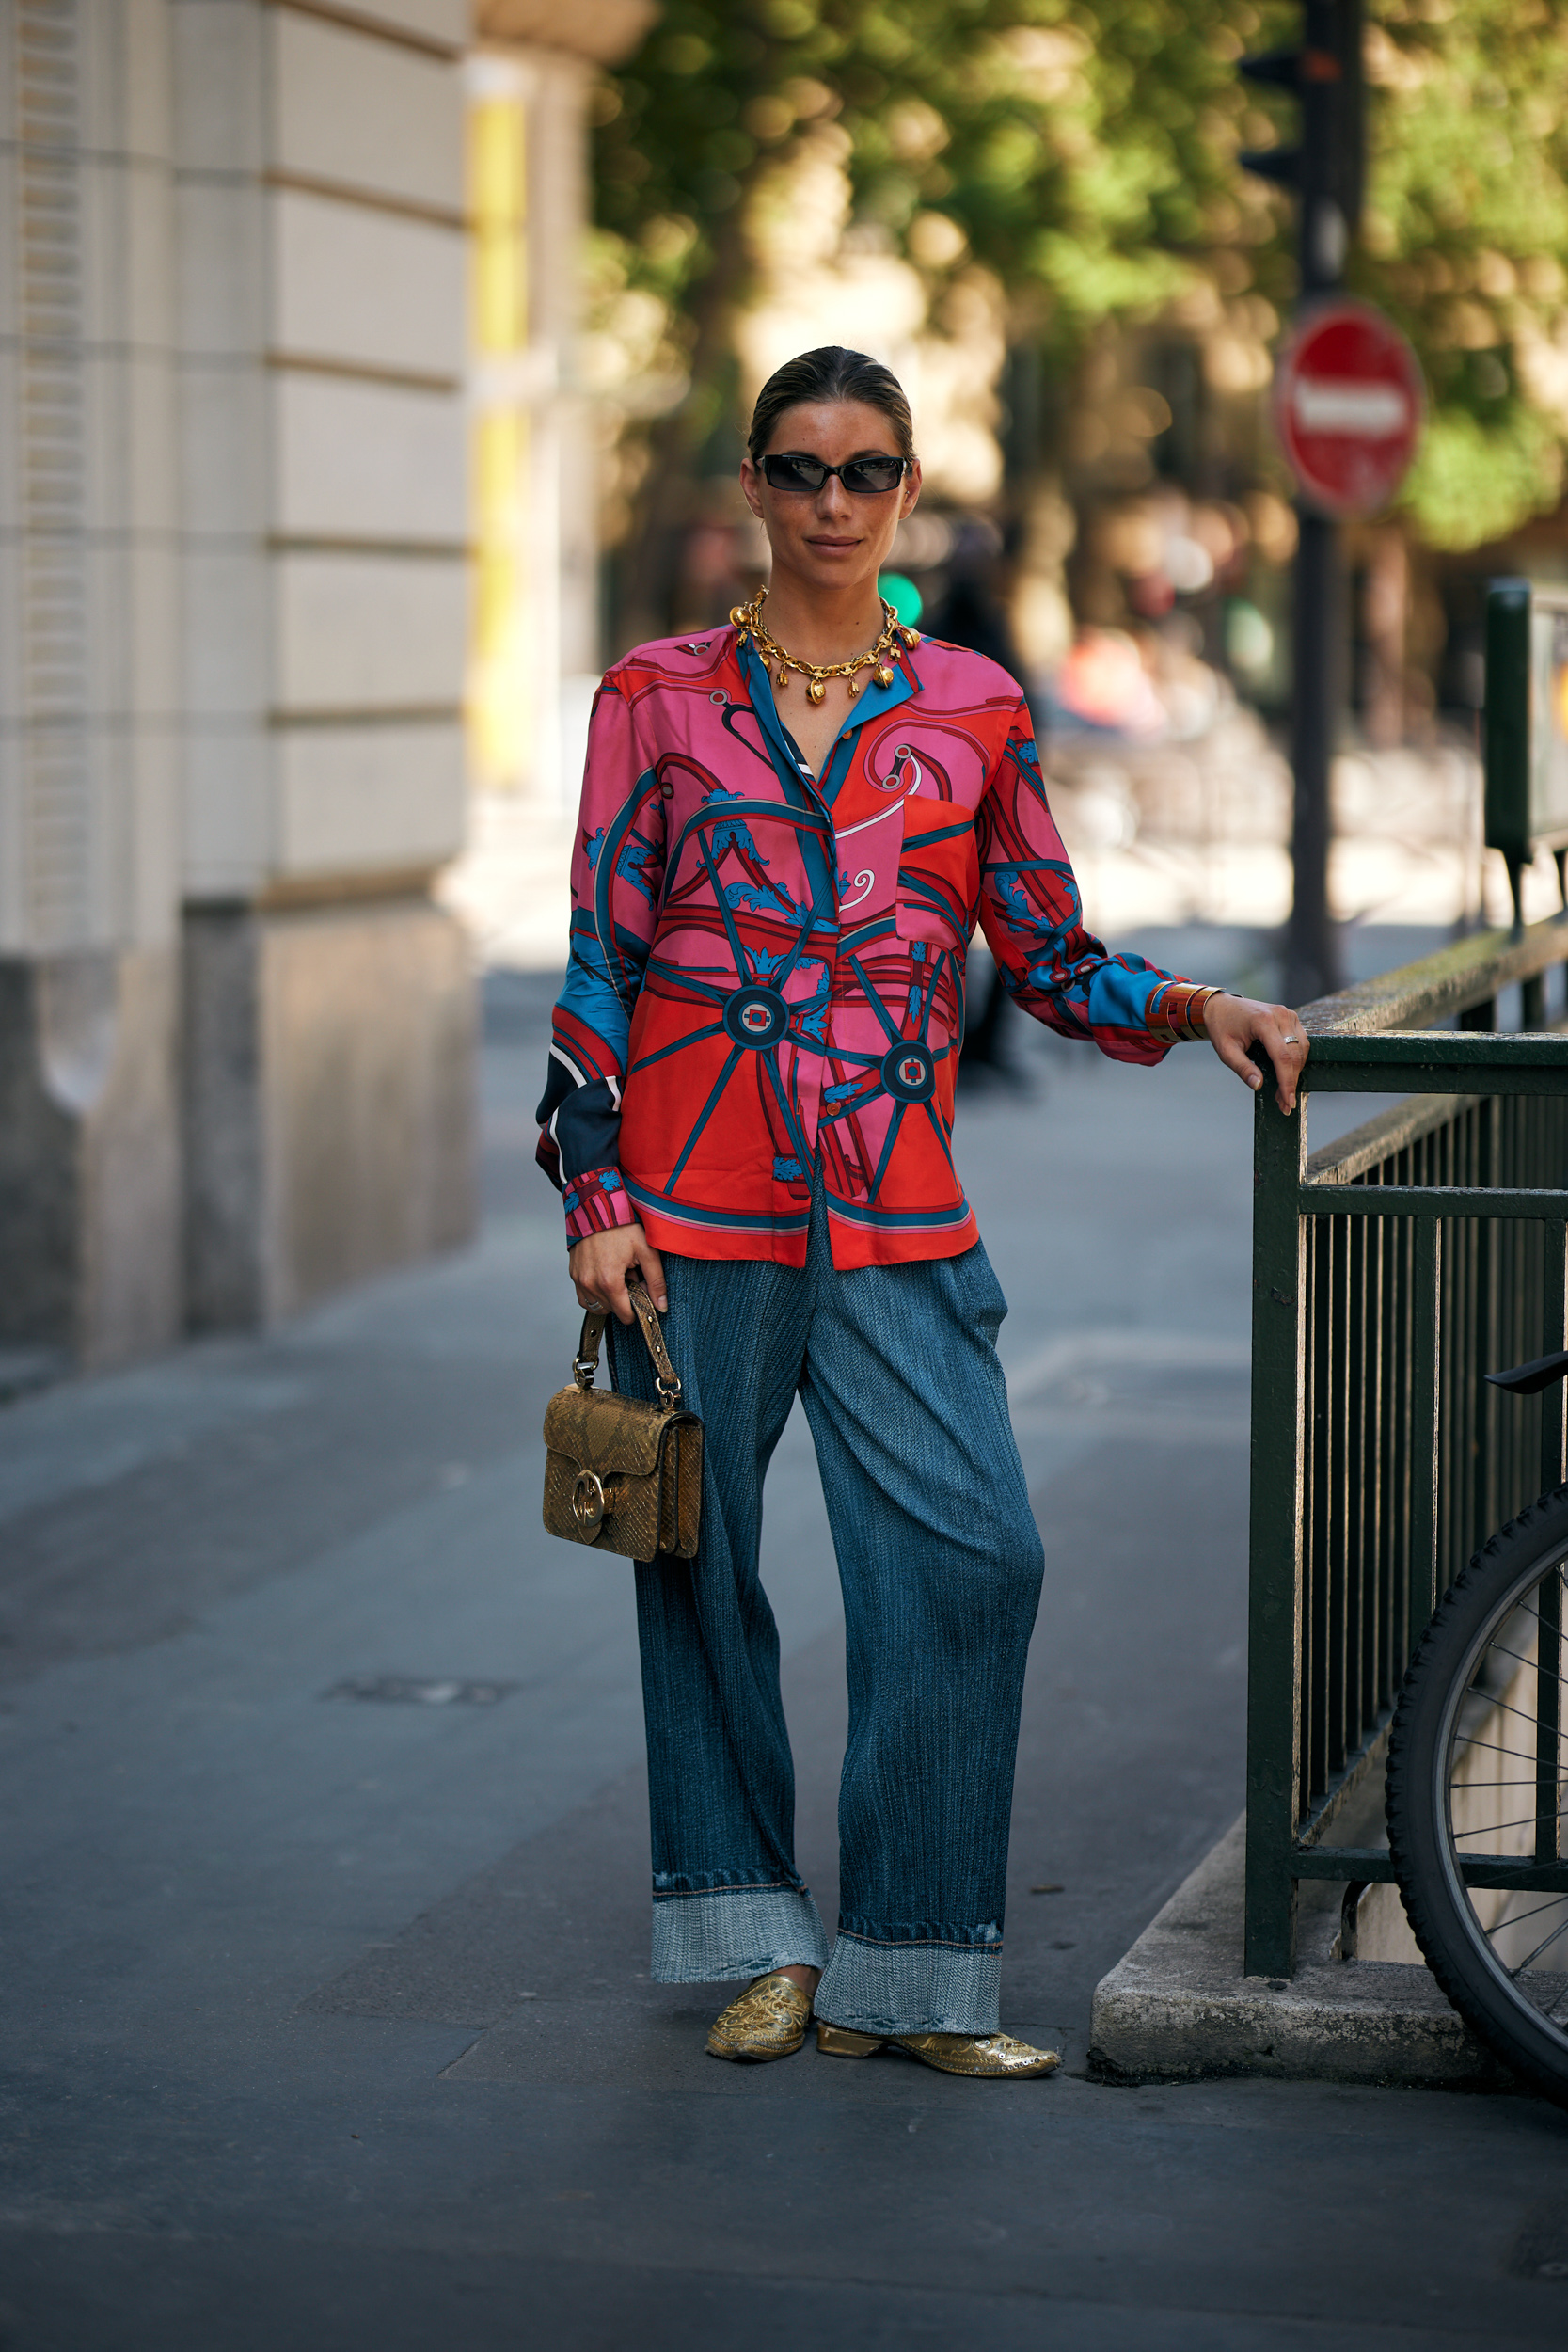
868 853
939 873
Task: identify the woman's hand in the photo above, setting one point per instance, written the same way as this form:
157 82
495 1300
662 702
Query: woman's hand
600 1265
1234 1023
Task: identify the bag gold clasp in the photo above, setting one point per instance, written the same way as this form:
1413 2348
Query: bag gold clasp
592 1502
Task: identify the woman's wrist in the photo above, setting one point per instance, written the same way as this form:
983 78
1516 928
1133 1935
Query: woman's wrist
1179 1019
1197 1014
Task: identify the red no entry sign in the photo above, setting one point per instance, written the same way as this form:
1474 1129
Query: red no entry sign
1348 403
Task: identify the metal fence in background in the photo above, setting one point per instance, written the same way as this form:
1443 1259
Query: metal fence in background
1391 1272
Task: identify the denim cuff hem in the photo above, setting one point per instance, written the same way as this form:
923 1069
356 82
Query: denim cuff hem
920 1931
911 1988
735 1931
668 1883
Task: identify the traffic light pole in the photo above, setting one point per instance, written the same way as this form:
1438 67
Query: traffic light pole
1311 938
1325 171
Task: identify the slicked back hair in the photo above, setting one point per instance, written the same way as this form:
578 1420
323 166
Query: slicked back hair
832 373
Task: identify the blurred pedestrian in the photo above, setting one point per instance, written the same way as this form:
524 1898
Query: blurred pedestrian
789 828
972 613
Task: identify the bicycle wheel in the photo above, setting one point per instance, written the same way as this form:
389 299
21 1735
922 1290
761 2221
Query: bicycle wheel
1475 1786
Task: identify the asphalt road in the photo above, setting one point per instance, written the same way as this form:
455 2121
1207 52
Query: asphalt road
328 2022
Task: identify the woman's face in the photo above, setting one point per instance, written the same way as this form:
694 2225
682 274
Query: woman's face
830 537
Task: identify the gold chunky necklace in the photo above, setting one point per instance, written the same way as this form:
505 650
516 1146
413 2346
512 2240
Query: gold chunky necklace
888 650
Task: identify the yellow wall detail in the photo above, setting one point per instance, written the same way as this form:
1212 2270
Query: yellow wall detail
501 686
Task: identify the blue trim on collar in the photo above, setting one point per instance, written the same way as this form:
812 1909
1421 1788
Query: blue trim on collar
799 789
872 703
873 699
792 773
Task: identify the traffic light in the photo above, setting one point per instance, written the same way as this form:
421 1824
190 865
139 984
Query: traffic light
1324 167
1324 75
1278 68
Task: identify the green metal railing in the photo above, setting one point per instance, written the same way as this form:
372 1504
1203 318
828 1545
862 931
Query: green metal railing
1392 1270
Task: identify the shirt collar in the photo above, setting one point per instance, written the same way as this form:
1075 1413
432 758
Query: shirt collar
873 702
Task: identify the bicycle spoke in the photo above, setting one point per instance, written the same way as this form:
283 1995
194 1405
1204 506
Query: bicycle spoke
1561 1928
1523 1609
1491 1829
1517 1918
1464 1738
1504 1705
1497 1648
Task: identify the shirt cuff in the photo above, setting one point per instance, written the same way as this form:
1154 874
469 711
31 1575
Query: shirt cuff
596 1202
1175 1014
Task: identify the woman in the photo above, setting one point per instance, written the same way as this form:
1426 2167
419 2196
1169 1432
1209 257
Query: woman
789 828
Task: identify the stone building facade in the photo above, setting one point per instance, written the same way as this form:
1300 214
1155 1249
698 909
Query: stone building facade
236 1029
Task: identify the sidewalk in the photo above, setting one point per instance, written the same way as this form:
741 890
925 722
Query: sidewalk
330 2019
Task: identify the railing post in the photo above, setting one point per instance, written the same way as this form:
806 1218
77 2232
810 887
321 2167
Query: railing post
1554 1335
1274 1594
1549 1656
1426 1373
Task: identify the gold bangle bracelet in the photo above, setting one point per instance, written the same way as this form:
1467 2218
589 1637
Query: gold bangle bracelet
1190 1028
1195 1030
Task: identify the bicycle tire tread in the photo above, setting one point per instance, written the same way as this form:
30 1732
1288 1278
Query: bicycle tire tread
1412 1835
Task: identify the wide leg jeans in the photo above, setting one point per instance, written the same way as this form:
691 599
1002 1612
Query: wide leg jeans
940 1561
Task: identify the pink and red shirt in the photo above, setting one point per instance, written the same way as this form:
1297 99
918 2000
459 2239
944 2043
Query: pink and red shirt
767 969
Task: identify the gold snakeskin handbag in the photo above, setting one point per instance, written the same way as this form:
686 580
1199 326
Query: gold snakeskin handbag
621 1475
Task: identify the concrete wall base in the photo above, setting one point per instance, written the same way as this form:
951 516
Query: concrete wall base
1178 2005
328 1100
89 1162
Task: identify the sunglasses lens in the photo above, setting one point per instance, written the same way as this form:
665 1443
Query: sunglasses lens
873 474
795 474
862 475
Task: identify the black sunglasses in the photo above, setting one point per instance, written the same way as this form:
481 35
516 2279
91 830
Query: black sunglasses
863 477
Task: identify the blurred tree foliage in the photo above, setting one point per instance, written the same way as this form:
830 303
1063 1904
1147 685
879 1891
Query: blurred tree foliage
1463 240
1085 153
1074 147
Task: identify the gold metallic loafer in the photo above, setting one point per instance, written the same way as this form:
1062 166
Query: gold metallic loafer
952 2052
768 2021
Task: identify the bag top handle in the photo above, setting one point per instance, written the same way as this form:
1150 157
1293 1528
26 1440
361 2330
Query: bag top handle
587 1361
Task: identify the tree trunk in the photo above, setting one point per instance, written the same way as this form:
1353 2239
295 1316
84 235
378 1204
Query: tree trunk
650 553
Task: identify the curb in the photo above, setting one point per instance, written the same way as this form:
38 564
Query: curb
1177 2008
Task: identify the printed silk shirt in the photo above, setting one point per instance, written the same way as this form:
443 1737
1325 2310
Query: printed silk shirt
767 970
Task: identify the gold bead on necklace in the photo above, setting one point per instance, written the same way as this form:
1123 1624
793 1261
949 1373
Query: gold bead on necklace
889 648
